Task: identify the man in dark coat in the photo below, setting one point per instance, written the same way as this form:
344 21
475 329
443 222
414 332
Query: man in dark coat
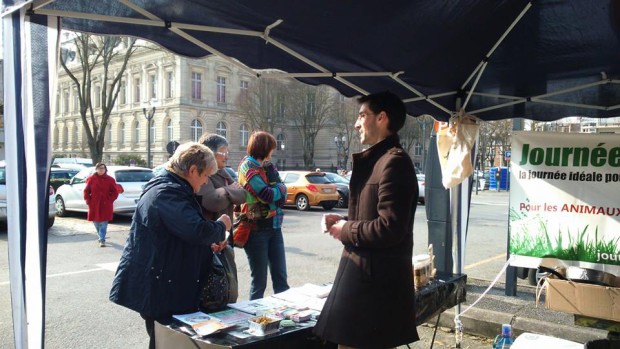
371 304
159 272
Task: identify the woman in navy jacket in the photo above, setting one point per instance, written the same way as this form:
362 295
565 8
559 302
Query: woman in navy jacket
159 271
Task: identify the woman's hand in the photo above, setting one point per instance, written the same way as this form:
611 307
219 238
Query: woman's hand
217 248
226 220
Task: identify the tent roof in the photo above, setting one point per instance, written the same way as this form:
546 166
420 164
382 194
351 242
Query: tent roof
431 53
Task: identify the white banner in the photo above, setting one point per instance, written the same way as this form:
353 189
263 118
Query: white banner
565 199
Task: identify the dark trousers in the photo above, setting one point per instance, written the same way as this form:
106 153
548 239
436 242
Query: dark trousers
150 329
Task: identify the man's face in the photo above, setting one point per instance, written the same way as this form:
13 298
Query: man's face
367 126
221 156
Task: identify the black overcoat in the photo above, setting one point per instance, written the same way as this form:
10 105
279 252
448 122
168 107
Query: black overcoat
371 304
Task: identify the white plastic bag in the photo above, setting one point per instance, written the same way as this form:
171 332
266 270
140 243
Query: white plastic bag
454 145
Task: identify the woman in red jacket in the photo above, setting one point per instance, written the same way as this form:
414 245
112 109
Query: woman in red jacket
100 193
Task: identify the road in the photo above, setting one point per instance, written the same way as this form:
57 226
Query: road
79 273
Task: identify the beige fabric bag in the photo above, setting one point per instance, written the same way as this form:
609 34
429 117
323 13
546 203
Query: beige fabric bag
454 144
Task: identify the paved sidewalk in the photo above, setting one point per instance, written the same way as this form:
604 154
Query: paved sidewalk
495 309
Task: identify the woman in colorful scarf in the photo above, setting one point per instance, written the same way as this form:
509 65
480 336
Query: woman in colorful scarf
263 211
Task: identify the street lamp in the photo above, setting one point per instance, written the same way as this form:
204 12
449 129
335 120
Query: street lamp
149 114
340 142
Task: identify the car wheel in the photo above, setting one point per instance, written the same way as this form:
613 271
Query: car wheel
302 202
328 207
341 201
61 211
50 222
421 201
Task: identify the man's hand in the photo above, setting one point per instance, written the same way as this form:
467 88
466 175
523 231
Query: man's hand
336 229
226 220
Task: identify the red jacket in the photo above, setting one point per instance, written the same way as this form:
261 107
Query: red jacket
100 193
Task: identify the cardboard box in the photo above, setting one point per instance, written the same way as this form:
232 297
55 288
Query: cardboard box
585 299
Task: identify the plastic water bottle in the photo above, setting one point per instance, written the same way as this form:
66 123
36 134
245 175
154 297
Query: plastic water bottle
504 340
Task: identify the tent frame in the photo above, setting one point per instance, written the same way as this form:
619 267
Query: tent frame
180 29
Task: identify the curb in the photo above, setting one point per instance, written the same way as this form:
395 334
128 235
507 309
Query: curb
488 323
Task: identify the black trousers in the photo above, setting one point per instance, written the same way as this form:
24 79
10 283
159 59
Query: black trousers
150 329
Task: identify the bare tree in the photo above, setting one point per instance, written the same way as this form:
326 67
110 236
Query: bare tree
264 103
311 109
94 52
344 120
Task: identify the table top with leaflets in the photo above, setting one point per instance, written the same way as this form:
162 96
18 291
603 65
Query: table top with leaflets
295 313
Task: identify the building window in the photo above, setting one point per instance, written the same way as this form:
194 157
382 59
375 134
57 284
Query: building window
121 133
169 84
76 100
137 133
65 136
152 131
109 133
221 89
280 142
56 136
281 108
136 89
220 129
169 131
196 130
243 89
75 135
123 92
196 86
97 96
310 104
418 149
244 135
65 101
153 86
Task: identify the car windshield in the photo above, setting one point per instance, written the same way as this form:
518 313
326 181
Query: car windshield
334 178
133 176
317 179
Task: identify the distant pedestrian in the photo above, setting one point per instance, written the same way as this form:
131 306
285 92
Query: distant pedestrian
100 193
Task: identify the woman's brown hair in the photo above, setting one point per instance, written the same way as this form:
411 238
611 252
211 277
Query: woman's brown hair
260 144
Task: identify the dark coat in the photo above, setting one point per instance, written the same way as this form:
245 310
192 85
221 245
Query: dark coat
99 194
159 271
371 304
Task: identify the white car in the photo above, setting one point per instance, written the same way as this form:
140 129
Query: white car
421 187
3 214
130 181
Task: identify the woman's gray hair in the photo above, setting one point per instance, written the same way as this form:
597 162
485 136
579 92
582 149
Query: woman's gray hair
213 141
192 153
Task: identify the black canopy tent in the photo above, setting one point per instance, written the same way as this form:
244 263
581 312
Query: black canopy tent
541 60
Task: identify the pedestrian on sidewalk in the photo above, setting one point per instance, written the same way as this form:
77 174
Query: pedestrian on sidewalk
100 193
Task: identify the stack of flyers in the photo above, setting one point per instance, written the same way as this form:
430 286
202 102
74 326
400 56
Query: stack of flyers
258 306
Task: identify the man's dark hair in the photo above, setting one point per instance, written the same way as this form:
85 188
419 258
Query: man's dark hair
213 141
389 103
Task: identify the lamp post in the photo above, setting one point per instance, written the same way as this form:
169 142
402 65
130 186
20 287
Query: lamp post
149 114
340 142
282 146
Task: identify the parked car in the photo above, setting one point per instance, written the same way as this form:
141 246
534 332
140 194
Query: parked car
421 187
342 185
74 163
308 188
3 204
130 181
60 176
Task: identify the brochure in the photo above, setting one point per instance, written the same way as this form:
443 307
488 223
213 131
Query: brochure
258 306
202 323
318 291
232 316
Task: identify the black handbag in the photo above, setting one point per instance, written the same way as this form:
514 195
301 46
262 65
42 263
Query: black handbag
219 284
